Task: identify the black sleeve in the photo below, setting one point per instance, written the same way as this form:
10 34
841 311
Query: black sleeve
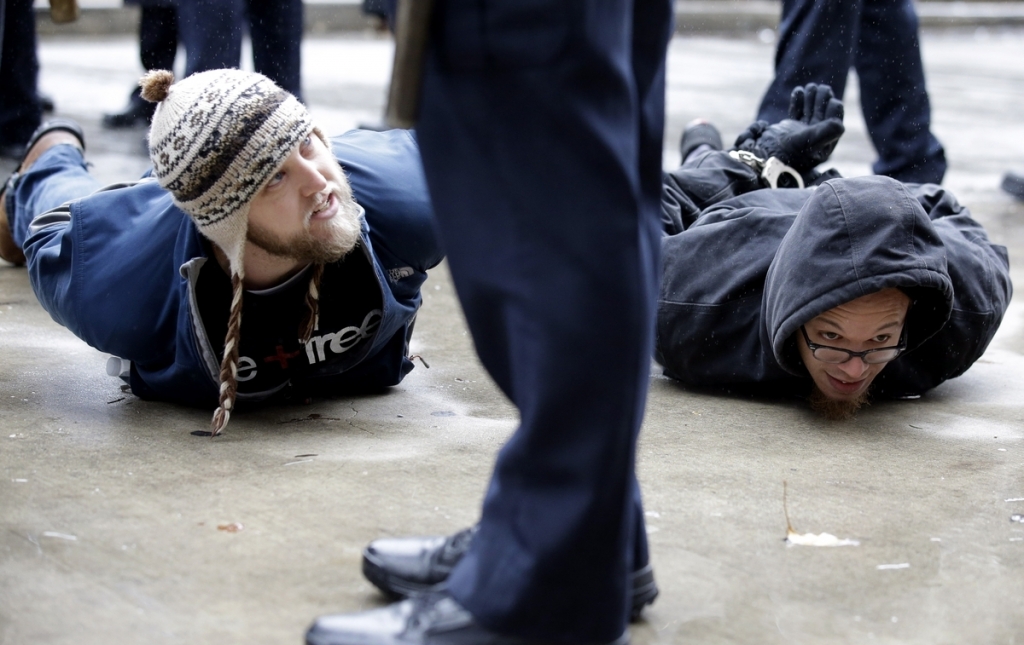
711 178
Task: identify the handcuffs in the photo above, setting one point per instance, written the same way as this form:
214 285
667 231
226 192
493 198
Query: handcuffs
770 170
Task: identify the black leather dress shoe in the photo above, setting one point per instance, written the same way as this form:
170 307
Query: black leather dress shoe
138 112
401 567
429 619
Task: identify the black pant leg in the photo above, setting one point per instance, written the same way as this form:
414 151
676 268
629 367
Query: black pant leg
211 31
541 135
20 112
276 30
816 45
894 98
158 37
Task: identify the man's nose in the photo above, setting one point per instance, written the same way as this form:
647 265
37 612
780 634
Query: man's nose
854 368
313 180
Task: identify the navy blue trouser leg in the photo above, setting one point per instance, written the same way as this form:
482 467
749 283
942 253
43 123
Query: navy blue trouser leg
212 33
893 94
541 134
816 41
158 44
20 112
820 41
276 30
158 37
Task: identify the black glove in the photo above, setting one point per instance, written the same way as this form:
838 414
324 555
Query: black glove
807 137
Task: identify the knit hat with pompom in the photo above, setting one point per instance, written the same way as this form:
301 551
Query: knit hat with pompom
216 139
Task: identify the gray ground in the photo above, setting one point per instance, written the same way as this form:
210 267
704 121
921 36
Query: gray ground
113 516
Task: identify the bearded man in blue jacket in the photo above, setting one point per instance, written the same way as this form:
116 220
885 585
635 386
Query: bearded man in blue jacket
260 261
848 289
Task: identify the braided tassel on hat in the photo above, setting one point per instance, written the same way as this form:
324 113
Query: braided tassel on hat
312 305
229 364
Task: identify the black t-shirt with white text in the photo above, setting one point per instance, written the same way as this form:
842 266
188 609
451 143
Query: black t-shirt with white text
270 354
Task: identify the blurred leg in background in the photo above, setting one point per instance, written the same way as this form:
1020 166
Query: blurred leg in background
275 27
20 110
158 46
820 41
212 30
1013 183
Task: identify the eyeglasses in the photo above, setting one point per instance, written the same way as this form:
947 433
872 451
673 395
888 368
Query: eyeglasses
836 355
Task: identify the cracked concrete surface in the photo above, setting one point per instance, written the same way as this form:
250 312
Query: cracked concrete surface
117 525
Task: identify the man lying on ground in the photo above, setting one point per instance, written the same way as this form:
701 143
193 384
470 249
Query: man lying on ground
249 226
851 288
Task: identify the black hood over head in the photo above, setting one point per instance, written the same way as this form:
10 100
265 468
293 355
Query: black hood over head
745 266
851 238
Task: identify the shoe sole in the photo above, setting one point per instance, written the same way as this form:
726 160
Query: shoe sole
645 590
8 249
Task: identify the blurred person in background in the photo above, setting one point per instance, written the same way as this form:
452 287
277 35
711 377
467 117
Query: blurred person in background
819 42
20 108
158 47
211 32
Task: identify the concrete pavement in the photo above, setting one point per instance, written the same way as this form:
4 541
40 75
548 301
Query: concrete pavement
119 526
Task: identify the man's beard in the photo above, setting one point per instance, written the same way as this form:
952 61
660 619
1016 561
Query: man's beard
836 409
340 235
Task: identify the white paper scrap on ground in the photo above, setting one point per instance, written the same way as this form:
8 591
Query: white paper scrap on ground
901 565
59 536
820 539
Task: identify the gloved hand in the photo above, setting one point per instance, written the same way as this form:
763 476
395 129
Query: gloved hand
807 137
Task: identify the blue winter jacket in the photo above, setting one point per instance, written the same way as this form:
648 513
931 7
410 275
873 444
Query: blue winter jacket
121 274
745 266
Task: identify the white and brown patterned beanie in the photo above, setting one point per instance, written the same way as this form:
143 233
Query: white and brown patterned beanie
216 139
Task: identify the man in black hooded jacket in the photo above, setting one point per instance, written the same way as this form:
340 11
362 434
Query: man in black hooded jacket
845 289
